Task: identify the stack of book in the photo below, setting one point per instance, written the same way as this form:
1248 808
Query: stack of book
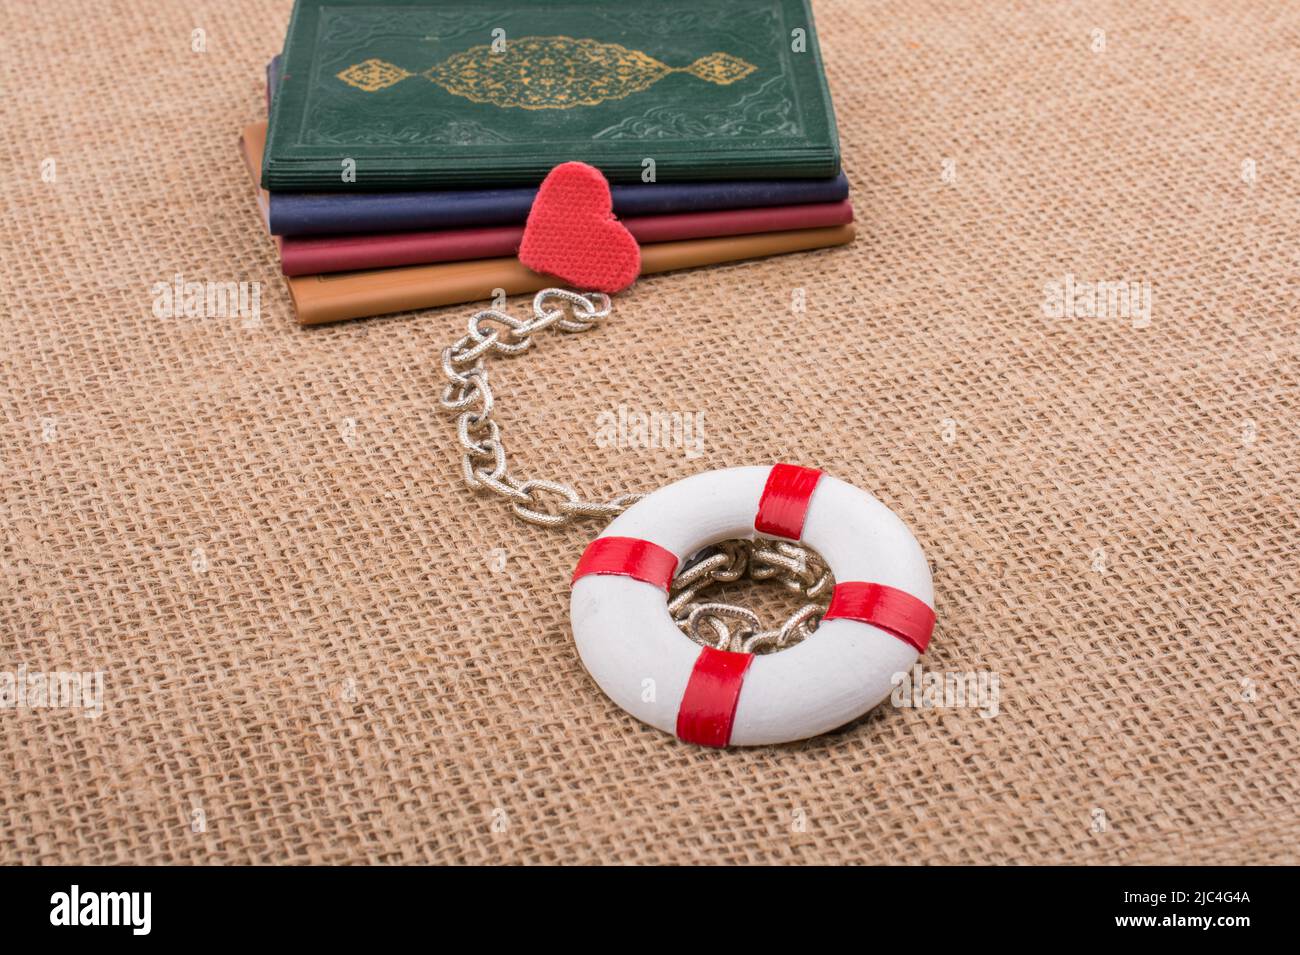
406 140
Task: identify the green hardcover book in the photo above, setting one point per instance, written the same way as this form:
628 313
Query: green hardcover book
405 94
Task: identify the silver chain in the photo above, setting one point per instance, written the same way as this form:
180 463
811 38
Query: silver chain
733 627
467 391
554 504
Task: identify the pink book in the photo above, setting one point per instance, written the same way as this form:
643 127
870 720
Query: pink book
318 255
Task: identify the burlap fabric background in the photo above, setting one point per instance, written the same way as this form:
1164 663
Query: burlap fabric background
315 637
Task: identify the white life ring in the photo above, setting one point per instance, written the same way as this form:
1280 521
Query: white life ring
878 623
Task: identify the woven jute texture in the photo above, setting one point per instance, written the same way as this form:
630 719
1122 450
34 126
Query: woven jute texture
317 646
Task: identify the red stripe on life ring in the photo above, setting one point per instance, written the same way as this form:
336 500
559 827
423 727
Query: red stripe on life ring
784 504
888 608
712 693
627 557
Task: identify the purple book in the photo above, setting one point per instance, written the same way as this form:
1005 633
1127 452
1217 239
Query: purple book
305 213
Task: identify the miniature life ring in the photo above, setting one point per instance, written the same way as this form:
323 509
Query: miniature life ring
879 621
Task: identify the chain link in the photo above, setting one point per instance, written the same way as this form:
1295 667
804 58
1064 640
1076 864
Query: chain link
727 626
554 504
483 462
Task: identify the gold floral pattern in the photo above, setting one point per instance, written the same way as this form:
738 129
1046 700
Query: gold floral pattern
373 75
549 72
721 68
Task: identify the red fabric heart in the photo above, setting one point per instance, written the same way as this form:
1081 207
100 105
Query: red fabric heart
572 233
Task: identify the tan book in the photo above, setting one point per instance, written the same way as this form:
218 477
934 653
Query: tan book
319 299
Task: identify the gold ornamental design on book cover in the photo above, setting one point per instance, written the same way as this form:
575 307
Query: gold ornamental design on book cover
548 72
